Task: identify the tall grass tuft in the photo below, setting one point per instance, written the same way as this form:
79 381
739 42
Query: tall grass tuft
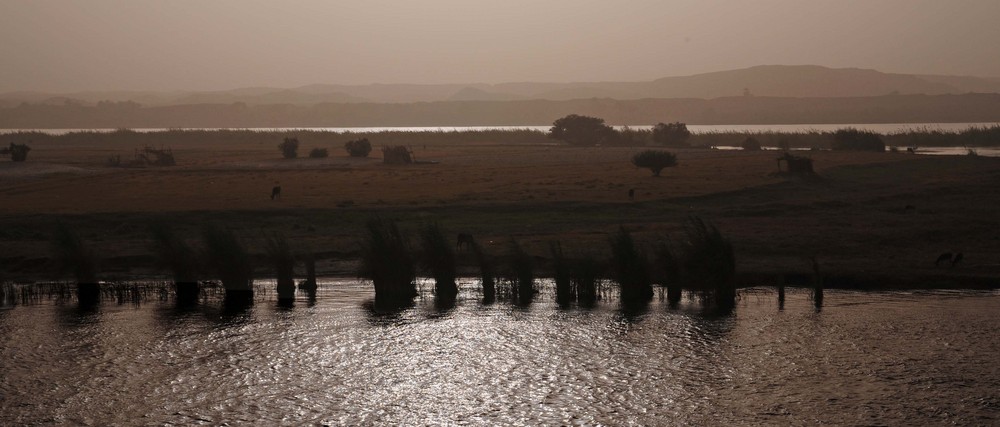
386 261
283 261
175 254
486 271
520 272
561 274
630 268
667 271
230 260
438 259
817 284
73 255
709 263
586 274
309 285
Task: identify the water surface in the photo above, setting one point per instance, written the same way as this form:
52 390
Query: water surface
896 358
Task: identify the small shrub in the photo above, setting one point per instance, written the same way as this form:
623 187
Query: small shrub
654 160
358 148
397 155
289 148
318 153
750 144
851 139
18 152
796 165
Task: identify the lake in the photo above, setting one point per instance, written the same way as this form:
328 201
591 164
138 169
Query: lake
888 358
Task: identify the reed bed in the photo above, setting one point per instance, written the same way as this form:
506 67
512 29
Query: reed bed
629 268
438 260
283 262
228 257
386 261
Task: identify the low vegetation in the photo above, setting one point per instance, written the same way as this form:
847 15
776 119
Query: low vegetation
654 160
851 139
289 147
386 261
358 147
630 269
18 152
227 256
438 260
397 155
318 153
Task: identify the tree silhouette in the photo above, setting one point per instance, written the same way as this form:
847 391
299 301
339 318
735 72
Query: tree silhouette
654 160
671 134
581 130
289 148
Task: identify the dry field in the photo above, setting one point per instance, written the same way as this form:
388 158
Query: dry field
868 217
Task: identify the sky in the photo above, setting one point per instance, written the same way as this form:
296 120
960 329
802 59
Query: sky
78 45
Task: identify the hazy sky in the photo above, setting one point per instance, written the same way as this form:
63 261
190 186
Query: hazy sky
70 45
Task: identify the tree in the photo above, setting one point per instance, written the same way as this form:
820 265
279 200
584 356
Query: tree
671 134
18 152
289 148
654 160
358 148
581 130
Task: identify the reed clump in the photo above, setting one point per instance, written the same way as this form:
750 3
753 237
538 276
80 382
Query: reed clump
283 261
586 278
667 271
228 257
438 260
175 254
73 255
630 268
520 274
487 273
562 274
709 263
386 261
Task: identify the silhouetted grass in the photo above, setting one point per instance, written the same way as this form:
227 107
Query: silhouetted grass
230 260
520 273
309 285
586 275
386 261
666 271
709 263
283 261
72 255
561 274
630 268
438 259
175 254
486 271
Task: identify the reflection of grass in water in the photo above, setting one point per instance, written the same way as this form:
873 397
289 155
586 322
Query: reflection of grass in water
386 261
438 259
226 254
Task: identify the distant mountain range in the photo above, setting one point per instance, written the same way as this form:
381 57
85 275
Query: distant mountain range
797 81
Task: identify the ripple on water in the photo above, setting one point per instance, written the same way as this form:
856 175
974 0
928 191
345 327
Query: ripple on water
866 358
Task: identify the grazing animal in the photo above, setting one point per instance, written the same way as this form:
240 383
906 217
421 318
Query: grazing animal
945 257
465 240
631 194
957 259
276 192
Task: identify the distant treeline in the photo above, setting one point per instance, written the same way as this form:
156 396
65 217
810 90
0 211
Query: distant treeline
973 137
731 110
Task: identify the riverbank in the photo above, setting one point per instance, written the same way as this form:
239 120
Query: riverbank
870 219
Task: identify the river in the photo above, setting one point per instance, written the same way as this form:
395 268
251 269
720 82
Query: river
865 358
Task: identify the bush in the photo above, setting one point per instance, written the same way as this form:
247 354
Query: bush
18 152
582 130
654 160
631 269
750 144
851 139
358 148
289 148
396 155
796 164
318 153
439 260
671 134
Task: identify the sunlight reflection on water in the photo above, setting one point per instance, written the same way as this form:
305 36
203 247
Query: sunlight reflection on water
866 358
